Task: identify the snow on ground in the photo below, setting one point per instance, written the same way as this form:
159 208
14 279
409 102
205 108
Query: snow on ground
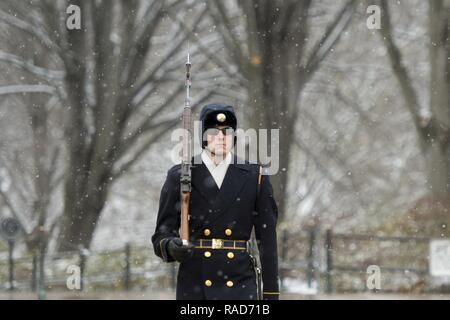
297 286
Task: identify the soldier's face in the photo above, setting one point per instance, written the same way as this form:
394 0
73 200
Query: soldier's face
220 140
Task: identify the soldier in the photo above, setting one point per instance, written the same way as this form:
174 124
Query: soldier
228 200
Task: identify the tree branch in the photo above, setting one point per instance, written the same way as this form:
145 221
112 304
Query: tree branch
30 67
218 13
27 88
167 55
402 75
28 28
165 126
329 38
206 50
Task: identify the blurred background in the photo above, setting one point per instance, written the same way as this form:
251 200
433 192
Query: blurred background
90 92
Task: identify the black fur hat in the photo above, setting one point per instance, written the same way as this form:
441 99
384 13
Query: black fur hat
216 114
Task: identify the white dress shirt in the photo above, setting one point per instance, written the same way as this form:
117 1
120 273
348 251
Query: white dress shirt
217 171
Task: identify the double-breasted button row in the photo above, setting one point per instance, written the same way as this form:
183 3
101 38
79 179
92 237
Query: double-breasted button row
209 283
207 232
208 254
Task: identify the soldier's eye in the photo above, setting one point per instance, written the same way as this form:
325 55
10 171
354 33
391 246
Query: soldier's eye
213 132
228 131
225 131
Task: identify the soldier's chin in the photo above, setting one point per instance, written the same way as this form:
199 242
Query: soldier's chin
220 151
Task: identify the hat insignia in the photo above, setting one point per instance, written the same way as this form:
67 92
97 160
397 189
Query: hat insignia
221 117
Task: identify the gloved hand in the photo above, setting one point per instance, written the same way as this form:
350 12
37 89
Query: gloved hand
179 252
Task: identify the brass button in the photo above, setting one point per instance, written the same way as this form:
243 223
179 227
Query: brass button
228 232
230 284
207 254
208 283
230 255
207 232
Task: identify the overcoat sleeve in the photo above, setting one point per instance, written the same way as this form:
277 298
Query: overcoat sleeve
168 220
266 237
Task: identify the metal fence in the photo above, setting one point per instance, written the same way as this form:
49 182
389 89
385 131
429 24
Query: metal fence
326 261
122 269
340 263
402 261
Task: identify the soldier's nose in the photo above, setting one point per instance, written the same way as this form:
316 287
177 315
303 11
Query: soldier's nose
220 138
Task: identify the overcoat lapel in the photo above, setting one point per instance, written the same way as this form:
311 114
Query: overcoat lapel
220 200
204 183
235 179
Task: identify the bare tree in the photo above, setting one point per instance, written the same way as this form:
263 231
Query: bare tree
30 162
274 60
432 121
108 77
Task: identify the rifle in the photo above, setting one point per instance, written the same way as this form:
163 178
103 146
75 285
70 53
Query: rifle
185 178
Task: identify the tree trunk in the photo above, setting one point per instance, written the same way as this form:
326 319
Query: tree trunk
434 129
271 101
81 219
274 74
438 150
